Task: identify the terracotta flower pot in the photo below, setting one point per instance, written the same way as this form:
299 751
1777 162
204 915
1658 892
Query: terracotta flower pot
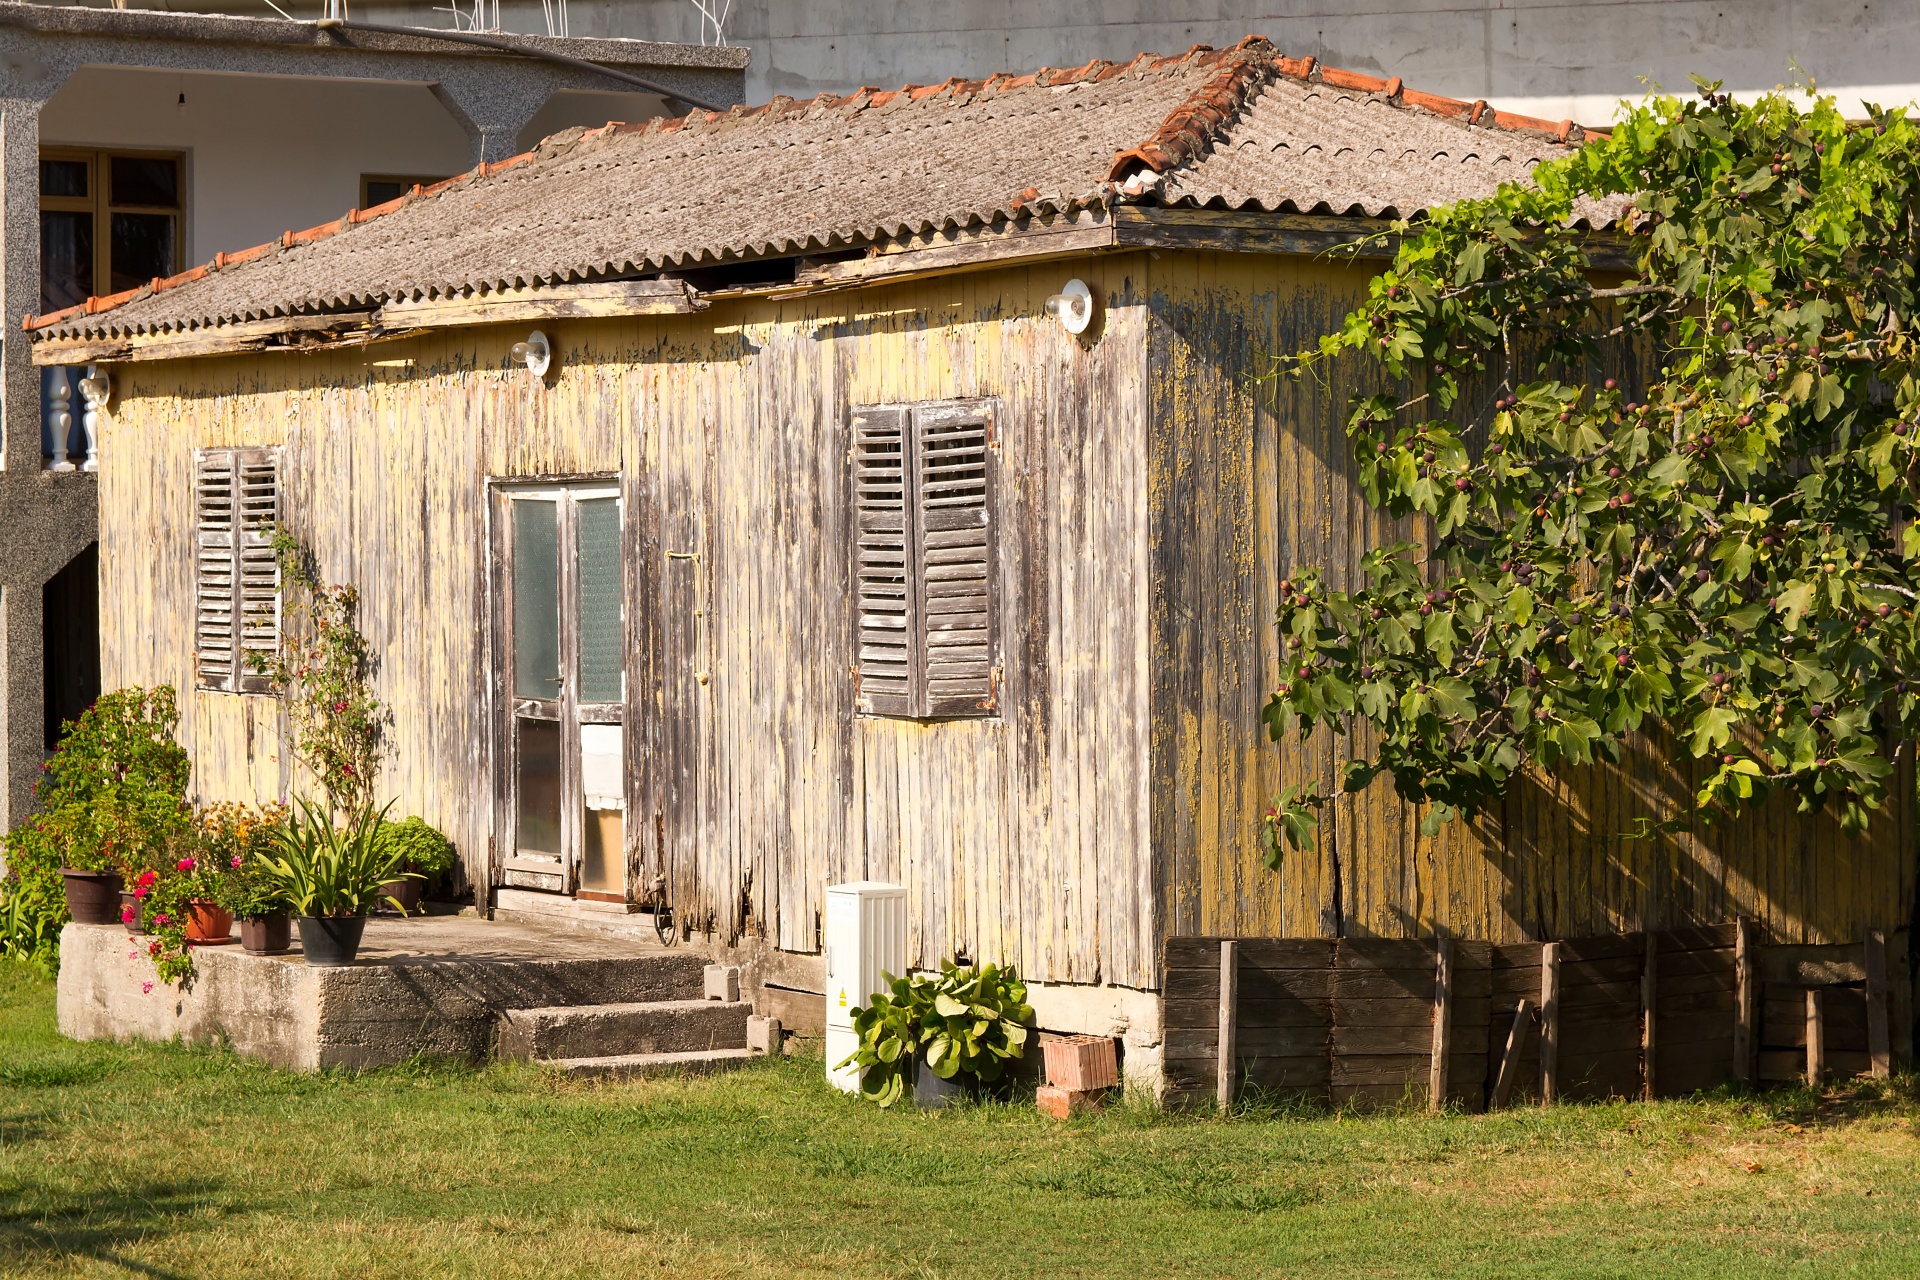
130 913
267 936
331 941
208 923
406 892
93 897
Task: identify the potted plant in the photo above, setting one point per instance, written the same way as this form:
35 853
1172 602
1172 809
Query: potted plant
133 901
333 876
427 853
258 903
114 796
939 1034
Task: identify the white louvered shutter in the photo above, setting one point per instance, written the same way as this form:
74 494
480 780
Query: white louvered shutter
214 624
258 597
953 462
884 591
236 579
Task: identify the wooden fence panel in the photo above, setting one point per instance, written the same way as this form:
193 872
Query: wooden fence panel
1354 1018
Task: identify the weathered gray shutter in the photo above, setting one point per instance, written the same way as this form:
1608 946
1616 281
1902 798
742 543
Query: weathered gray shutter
885 597
236 581
214 623
956 569
257 499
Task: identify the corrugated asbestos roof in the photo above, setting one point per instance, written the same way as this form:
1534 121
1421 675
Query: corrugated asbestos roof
1244 128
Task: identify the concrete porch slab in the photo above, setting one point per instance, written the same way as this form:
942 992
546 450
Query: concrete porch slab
435 985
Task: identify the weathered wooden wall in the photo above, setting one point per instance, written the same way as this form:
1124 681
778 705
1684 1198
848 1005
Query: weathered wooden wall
1021 839
1250 481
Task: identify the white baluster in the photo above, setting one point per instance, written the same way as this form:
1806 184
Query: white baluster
60 418
94 390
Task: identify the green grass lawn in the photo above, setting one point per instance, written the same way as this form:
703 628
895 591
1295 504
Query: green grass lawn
159 1161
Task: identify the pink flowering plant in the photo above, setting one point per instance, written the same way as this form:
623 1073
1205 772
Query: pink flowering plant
322 673
208 862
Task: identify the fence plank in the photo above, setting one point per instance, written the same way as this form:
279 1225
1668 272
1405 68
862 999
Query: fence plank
1229 1009
1510 1060
1744 987
1816 1037
1549 1021
1649 1019
1442 1024
1879 1042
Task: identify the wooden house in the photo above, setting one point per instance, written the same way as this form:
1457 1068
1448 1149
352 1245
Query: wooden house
823 550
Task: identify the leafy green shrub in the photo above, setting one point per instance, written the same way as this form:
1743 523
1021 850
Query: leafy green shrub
113 798
963 1021
324 870
426 850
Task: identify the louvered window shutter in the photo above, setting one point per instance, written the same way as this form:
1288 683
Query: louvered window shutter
885 596
237 580
928 626
953 461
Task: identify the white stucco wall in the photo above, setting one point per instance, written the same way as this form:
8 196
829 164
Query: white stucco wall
1553 58
267 154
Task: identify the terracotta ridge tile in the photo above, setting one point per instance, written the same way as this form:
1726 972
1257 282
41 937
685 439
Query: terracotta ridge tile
1353 80
1185 133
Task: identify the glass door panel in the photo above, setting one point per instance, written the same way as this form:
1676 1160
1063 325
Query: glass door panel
602 657
536 599
603 809
538 788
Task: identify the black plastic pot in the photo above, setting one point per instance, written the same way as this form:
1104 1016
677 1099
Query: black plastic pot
127 901
331 941
93 897
267 936
930 1092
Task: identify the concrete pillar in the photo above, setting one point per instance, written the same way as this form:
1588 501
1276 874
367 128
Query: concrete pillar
492 109
45 519
19 285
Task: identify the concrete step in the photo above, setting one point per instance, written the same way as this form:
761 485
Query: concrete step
653 1064
604 1030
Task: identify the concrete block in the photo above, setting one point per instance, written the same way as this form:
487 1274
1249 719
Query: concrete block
612 1030
438 986
1062 1103
723 982
763 1034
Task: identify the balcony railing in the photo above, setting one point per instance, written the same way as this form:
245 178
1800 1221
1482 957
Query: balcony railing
70 400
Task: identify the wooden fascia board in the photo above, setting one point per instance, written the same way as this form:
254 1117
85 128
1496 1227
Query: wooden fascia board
599 300
956 249
395 319
1237 231
332 329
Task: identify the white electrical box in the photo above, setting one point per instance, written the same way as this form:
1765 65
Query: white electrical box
865 937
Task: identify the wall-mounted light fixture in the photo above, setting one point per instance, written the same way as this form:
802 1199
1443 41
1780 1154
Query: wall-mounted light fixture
1073 306
535 353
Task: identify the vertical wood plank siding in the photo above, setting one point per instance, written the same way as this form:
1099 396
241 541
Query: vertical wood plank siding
1021 838
1249 482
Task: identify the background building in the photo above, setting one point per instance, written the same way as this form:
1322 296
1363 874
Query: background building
1543 58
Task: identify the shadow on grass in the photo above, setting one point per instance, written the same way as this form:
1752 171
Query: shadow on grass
37 1224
